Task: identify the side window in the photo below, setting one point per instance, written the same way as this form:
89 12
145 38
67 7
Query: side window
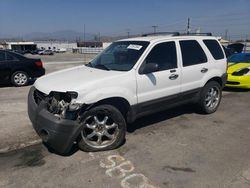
214 49
164 55
2 56
9 57
192 53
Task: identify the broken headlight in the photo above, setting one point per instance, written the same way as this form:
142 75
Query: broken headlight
63 104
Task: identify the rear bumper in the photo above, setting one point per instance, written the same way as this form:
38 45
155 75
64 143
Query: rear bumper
58 133
38 73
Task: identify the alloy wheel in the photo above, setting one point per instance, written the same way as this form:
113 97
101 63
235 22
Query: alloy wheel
212 98
99 131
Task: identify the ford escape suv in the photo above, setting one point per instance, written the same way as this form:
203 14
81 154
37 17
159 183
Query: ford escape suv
91 104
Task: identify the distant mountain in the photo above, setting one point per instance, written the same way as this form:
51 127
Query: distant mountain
5 35
63 35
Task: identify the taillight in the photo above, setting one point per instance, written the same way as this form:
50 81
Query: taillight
39 63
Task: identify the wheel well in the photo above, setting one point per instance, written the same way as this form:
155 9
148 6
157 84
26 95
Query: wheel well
120 103
13 71
216 79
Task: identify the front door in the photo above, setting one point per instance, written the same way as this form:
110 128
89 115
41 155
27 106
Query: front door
4 67
156 88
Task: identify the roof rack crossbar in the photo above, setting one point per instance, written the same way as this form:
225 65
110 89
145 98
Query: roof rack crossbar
176 34
161 33
197 34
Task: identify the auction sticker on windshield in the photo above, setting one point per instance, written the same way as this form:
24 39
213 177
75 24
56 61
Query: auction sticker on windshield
134 47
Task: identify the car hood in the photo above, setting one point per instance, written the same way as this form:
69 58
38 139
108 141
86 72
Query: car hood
232 67
73 79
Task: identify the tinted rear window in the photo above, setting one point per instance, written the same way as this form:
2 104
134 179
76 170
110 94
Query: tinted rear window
192 53
214 49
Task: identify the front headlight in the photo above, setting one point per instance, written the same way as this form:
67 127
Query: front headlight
241 72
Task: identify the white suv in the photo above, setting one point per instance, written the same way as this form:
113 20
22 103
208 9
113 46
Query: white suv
91 104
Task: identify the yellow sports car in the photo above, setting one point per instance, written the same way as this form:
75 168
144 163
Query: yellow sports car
239 71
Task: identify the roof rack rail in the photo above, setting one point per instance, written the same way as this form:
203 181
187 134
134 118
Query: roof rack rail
197 34
161 33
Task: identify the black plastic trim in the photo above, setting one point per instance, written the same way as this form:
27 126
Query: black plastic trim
157 105
224 79
61 132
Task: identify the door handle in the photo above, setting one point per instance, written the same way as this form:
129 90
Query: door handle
173 76
204 70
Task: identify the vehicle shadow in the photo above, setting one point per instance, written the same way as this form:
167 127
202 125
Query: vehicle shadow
235 89
5 85
161 116
10 85
141 123
73 150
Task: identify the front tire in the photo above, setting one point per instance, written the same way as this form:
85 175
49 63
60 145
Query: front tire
103 128
19 78
210 97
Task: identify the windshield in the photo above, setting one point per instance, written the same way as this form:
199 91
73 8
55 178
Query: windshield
119 56
240 58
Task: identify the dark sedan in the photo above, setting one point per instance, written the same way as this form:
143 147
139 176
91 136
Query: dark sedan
17 69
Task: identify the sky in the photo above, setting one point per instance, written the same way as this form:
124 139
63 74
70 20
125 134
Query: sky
116 17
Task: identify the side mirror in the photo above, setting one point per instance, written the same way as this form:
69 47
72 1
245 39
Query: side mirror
150 67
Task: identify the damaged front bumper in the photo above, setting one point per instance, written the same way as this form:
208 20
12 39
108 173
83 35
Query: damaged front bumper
60 134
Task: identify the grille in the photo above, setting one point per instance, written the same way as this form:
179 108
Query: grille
39 96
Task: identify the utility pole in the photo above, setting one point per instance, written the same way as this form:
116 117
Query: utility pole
188 26
245 46
226 34
84 34
128 32
154 27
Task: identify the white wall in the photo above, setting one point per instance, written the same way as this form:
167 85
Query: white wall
57 45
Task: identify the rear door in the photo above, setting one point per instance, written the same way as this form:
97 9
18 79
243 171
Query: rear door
195 66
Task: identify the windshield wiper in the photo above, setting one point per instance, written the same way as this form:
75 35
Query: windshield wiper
89 64
100 66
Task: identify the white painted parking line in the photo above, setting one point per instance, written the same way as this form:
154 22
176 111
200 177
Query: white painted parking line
118 167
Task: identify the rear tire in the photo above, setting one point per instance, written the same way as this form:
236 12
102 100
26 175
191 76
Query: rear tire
103 128
210 97
19 78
